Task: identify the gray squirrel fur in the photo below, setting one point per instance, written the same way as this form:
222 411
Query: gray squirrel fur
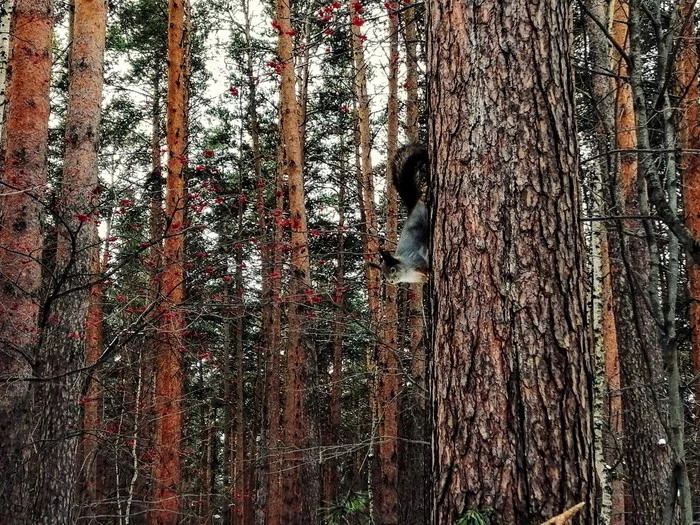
409 262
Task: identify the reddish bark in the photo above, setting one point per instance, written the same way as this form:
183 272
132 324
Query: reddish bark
386 503
689 138
63 345
647 466
23 189
170 346
512 369
299 476
94 394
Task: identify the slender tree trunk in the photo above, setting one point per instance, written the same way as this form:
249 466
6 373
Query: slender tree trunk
688 89
242 498
92 402
640 366
23 188
229 381
511 356
156 227
5 19
387 367
332 438
274 368
608 401
300 476
168 354
370 242
678 490
688 127
415 451
63 342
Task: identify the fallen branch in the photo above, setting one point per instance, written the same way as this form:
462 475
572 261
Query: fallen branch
565 516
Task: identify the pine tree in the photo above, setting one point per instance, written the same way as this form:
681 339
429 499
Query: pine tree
510 350
23 192
167 471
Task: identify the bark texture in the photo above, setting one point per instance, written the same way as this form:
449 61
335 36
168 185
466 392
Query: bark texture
512 377
167 468
23 187
388 376
647 462
300 475
608 402
688 89
63 344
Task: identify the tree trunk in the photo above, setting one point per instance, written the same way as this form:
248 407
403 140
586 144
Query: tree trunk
370 243
273 365
63 343
242 498
24 188
300 476
640 362
608 401
168 353
387 366
512 377
92 402
413 448
5 19
688 89
330 478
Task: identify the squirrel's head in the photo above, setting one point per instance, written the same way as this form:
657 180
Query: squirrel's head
395 271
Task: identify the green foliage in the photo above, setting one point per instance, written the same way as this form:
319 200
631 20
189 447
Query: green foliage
353 506
475 517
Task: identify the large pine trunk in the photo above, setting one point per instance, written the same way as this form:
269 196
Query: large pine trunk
63 342
167 468
24 186
512 374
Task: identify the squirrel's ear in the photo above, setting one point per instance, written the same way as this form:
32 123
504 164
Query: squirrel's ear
388 257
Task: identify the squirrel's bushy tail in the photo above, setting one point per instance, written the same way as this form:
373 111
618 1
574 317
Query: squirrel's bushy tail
407 162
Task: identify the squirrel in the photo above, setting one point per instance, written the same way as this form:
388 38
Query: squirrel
409 262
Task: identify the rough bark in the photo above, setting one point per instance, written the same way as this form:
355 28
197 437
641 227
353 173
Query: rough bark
169 380
63 342
22 188
512 376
